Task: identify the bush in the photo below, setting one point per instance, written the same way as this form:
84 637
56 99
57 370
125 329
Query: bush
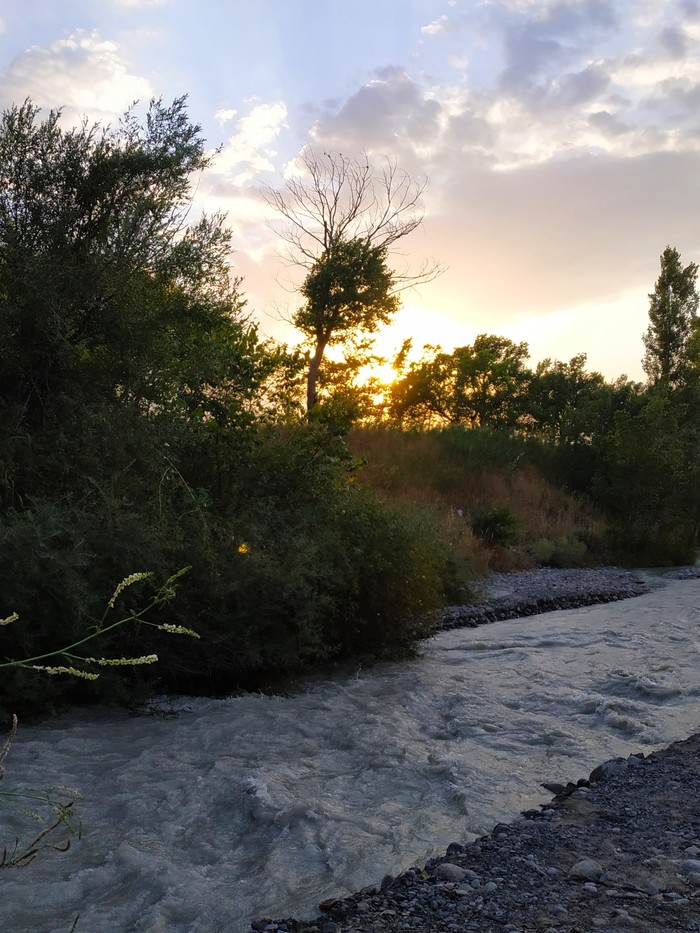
293 563
495 526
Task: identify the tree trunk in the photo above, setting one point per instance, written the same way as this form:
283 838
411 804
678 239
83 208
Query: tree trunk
312 377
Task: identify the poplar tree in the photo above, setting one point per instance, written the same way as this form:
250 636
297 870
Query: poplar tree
673 307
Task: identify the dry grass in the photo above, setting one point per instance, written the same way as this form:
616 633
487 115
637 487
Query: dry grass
552 526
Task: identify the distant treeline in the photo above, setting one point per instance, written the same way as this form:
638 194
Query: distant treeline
144 425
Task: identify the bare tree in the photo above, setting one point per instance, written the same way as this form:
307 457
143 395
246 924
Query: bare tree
342 216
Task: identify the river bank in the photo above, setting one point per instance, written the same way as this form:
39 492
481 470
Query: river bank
531 592
620 848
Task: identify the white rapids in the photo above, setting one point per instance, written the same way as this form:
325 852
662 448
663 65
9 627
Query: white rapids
259 805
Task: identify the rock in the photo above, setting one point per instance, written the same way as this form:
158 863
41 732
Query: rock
329 903
447 871
553 787
614 766
455 848
587 868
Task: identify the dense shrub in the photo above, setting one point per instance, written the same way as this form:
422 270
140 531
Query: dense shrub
297 563
495 526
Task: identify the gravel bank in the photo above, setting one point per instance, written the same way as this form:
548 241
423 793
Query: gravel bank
530 592
619 850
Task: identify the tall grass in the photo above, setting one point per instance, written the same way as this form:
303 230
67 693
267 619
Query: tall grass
473 479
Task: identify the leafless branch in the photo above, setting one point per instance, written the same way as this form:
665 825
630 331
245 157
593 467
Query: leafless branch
341 198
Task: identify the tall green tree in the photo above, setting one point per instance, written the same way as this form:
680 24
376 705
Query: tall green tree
115 315
673 307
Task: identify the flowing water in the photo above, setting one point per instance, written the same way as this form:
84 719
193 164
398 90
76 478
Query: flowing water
260 805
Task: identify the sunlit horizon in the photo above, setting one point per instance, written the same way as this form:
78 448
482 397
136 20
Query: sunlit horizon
559 138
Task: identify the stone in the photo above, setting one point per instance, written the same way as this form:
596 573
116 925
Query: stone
587 868
608 768
329 903
449 872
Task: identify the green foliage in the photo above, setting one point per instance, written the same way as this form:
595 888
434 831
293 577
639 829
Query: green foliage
495 526
305 565
648 480
673 307
475 386
348 294
347 291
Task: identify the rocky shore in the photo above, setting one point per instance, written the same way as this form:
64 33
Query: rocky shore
530 592
618 850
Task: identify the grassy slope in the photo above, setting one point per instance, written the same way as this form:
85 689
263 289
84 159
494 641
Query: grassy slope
496 485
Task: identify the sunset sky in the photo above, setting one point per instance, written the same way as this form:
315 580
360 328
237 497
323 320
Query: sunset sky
561 139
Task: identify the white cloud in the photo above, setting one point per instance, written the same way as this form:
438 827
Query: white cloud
83 73
224 116
250 150
437 26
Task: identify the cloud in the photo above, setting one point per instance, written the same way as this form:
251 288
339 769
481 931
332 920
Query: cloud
547 36
608 124
691 10
250 150
389 113
437 26
83 73
674 41
569 231
140 3
224 116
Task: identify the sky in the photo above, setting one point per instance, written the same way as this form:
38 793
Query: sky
560 140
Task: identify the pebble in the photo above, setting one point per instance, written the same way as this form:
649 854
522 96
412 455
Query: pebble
587 868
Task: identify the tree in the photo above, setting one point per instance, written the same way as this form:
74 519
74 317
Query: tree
342 216
477 386
673 307
348 292
647 479
115 316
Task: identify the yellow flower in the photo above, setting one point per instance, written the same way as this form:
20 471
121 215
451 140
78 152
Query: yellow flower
243 548
127 581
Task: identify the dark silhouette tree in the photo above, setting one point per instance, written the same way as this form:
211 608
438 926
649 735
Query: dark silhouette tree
673 307
477 386
342 217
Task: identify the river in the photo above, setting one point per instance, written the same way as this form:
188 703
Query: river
260 805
